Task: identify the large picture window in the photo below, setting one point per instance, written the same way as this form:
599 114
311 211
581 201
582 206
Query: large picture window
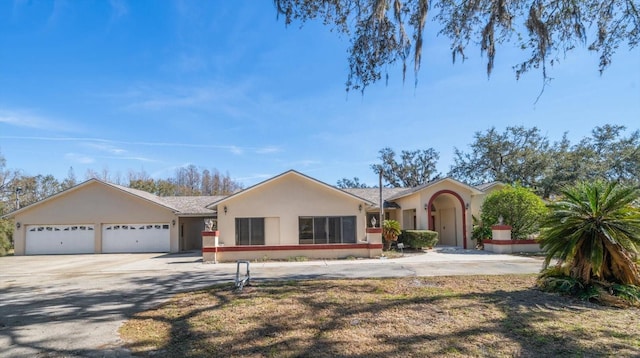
249 231
327 229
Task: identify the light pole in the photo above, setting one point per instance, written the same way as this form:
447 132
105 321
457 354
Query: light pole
381 201
18 192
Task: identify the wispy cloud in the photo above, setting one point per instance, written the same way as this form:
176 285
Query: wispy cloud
59 8
112 146
236 150
236 101
79 158
162 97
28 119
119 9
132 158
101 146
253 179
269 150
302 163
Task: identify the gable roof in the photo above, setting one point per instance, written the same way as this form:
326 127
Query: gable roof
154 199
181 205
285 174
418 188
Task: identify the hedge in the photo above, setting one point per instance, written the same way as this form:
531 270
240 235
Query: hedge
418 238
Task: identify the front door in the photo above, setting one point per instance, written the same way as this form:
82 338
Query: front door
448 227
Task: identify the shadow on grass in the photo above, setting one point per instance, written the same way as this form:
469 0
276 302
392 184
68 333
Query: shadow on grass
410 317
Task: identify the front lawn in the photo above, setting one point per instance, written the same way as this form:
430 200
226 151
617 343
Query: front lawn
462 316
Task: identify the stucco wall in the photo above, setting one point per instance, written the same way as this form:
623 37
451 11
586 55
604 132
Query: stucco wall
281 202
96 204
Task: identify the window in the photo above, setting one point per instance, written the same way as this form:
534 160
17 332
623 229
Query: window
327 230
305 226
249 231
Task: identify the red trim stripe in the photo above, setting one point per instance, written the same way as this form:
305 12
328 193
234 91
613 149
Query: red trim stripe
291 247
509 242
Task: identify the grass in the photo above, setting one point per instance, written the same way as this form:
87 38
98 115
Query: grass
471 316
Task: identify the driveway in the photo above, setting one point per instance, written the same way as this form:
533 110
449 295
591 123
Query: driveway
55 306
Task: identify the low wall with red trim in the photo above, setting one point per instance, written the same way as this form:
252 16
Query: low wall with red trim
511 246
283 252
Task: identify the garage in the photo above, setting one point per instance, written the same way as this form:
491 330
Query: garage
60 239
119 238
102 217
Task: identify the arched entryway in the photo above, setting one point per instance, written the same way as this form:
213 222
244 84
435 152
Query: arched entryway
447 215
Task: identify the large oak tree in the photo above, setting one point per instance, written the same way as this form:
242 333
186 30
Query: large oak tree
384 32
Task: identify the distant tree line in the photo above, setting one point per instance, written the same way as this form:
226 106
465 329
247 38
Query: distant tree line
187 181
523 156
19 189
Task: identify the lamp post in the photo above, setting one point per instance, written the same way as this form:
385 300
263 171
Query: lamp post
18 192
381 201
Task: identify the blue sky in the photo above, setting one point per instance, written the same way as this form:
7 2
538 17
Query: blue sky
155 85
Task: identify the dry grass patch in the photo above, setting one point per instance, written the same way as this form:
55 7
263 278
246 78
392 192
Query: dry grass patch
472 316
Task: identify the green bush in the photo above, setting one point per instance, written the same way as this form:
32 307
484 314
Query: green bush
6 234
480 232
418 238
519 207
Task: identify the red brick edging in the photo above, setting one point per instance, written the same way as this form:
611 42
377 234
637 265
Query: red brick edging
290 247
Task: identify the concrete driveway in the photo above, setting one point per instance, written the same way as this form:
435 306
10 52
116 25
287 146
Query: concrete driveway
67 306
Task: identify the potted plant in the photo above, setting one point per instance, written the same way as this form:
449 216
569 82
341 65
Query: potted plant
390 231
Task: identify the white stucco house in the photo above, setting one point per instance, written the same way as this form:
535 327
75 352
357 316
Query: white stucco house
288 215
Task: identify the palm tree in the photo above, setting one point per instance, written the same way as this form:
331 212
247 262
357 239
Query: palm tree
594 232
390 231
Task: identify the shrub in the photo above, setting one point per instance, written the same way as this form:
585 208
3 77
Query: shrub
519 207
297 259
480 232
557 280
6 233
418 238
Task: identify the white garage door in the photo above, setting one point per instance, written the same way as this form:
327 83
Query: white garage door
59 239
135 238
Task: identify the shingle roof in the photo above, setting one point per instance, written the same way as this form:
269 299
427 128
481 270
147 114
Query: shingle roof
183 205
373 194
486 186
192 205
143 194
